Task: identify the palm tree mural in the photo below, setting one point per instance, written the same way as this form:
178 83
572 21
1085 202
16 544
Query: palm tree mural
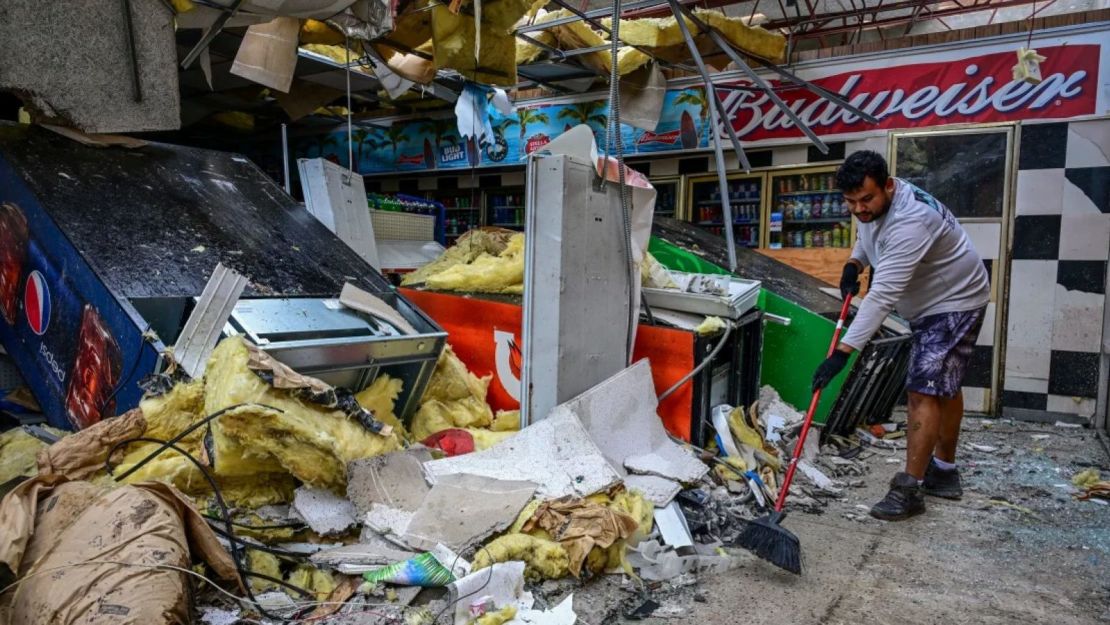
359 136
696 97
500 127
394 137
588 113
529 116
441 129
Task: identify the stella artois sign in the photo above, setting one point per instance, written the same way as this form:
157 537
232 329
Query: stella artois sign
974 89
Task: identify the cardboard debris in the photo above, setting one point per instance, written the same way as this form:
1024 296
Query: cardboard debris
50 524
362 301
620 416
395 480
556 453
641 96
658 490
462 510
82 454
323 511
580 526
268 53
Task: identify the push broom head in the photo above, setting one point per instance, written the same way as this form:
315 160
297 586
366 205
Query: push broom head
768 539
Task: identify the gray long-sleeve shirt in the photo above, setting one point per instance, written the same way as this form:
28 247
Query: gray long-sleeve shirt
923 260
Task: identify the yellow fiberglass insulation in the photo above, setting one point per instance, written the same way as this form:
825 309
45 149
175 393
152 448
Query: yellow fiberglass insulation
310 442
576 35
506 421
543 559
456 398
380 398
315 31
451 380
170 414
264 564
497 617
664 32
503 273
321 583
259 480
469 246
435 416
17 453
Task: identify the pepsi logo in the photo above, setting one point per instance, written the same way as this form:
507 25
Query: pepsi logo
36 303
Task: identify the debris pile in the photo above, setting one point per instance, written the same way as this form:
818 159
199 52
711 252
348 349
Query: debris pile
326 505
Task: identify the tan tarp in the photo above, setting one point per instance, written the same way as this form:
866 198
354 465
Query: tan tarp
90 556
80 455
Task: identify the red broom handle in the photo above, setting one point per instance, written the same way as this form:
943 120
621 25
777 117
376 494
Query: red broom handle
812 410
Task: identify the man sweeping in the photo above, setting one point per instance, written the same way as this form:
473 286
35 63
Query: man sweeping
923 266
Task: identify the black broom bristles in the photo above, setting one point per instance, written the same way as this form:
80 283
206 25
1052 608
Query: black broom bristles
767 538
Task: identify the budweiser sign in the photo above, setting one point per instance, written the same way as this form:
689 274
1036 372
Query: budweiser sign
976 89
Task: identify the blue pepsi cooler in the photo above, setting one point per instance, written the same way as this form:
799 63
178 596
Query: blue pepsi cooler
103 252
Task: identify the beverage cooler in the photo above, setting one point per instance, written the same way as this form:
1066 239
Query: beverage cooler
668 196
505 207
463 212
745 194
812 212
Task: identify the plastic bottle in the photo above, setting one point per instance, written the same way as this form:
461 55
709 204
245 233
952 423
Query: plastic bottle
808 237
819 239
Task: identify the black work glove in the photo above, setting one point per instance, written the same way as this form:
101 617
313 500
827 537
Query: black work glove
849 280
829 369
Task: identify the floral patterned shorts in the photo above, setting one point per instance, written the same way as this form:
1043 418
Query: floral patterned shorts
942 346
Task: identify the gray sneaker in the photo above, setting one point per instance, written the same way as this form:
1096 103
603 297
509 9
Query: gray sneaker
941 483
902 502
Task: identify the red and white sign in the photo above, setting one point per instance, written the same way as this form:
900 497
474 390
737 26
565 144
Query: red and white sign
974 89
536 142
668 138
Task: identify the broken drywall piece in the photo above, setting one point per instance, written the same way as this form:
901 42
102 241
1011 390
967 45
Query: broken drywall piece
620 416
461 510
395 480
503 583
819 479
323 511
658 490
657 562
556 453
370 556
391 523
562 614
672 526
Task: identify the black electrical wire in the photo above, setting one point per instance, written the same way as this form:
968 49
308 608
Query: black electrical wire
143 339
176 439
236 543
275 526
451 604
236 552
257 546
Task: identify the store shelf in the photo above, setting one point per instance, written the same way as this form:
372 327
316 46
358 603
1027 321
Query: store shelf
796 193
507 224
747 222
463 208
754 200
817 221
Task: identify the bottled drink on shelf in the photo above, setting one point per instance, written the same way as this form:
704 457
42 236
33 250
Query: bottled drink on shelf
819 238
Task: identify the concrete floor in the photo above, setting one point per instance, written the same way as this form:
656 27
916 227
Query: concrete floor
970 561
